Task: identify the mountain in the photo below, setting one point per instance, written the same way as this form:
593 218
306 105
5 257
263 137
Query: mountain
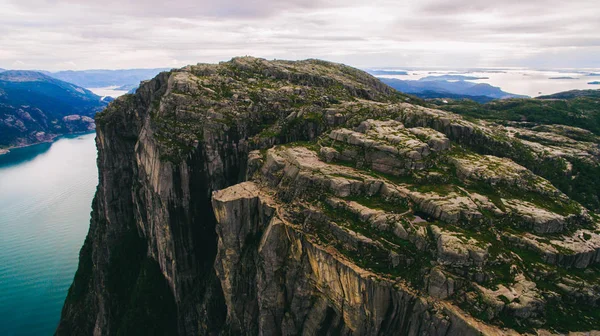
105 78
387 72
129 87
257 197
35 107
469 90
451 78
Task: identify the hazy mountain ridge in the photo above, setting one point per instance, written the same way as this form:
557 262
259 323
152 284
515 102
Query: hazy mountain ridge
105 78
35 107
466 89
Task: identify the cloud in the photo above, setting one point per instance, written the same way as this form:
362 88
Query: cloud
60 34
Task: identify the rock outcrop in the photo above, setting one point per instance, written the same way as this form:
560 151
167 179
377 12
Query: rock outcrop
274 197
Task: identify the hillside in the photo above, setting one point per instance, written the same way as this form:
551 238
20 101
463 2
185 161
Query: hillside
571 108
274 197
35 108
573 94
569 118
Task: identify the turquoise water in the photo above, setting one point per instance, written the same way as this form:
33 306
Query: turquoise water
45 202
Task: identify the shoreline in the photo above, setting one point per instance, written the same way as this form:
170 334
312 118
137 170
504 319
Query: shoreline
4 151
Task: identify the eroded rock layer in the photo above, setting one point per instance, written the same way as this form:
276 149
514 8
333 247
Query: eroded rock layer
256 197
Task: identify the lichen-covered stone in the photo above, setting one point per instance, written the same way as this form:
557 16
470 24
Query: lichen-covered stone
279 197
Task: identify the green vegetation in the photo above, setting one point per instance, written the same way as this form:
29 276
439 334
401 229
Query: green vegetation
582 112
580 184
564 316
378 203
412 262
497 192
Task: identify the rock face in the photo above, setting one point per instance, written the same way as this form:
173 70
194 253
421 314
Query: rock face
320 288
273 197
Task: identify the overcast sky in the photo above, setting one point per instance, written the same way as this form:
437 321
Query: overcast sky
86 34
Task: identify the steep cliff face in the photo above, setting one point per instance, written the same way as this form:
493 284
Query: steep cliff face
161 153
278 280
377 217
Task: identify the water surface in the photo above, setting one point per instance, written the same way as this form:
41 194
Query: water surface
45 202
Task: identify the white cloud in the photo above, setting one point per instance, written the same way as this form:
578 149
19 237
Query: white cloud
83 34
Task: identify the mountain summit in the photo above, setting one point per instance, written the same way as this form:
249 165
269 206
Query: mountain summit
274 197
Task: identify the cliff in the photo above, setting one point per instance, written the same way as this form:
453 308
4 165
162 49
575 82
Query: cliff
275 197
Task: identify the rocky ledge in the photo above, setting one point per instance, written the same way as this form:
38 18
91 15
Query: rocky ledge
274 197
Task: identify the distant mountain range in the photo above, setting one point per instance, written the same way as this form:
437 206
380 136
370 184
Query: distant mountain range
35 107
123 80
449 86
445 95
387 72
104 78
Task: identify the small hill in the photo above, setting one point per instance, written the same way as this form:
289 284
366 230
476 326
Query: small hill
573 94
275 197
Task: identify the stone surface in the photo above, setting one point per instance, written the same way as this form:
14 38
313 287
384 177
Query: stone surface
308 198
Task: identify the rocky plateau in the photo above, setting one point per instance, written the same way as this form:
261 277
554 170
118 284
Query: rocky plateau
308 198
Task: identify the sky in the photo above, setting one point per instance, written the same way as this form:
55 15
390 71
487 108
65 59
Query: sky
117 34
